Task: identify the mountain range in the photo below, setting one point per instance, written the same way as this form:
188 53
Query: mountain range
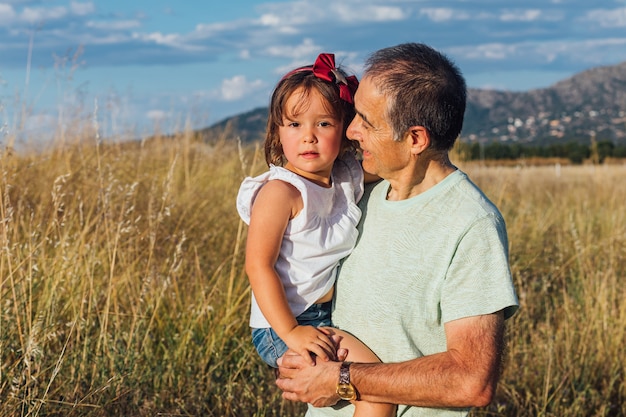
588 105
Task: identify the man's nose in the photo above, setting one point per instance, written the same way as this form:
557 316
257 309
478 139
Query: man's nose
352 132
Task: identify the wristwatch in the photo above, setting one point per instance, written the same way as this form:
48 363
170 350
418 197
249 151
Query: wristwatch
345 389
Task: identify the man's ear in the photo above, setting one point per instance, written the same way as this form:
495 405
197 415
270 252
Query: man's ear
420 139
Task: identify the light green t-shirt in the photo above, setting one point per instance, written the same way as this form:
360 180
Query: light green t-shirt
419 263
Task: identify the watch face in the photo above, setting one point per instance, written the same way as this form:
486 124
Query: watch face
346 392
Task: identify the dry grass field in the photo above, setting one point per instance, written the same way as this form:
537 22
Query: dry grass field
122 291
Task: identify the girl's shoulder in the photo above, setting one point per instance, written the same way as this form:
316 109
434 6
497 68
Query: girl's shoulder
348 165
348 170
279 189
279 183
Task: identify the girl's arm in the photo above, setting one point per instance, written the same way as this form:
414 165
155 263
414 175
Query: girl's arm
276 203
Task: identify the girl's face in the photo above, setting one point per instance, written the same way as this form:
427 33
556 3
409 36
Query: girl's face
310 136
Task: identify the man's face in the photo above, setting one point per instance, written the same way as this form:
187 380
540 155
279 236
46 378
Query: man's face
381 154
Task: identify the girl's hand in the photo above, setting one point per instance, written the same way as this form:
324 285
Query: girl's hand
308 341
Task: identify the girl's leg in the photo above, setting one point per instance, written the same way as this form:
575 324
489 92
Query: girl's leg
268 345
359 352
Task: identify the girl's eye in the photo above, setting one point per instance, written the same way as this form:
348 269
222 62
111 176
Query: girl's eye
293 124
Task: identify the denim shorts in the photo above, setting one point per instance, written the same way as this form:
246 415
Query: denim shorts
270 347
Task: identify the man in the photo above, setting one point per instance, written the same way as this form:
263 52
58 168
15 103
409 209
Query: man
428 286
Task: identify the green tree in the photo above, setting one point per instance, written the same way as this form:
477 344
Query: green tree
605 149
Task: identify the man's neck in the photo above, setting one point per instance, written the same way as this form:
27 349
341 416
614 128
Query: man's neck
427 171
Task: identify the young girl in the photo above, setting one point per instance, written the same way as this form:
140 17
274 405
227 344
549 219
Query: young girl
302 216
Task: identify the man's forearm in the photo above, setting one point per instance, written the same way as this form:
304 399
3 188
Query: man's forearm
465 375
430 381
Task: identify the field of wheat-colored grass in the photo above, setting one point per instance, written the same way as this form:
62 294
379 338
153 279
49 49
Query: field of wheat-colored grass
122 291
567 231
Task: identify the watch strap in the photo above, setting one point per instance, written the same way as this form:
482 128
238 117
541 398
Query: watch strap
344 373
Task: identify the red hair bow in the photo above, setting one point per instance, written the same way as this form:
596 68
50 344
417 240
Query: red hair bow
324 69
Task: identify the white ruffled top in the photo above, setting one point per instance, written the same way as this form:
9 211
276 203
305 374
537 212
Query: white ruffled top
316 239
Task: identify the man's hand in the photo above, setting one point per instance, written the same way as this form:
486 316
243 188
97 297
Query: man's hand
311 384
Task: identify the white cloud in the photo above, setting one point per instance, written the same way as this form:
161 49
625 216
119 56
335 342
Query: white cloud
304 54
521 15
238 87
307 48
82 9
287 30
156 115
114 25
532 15
593 52
447 14
7 14
289 19
173 40
385 14
40 14
489 51
608 18
350 13
206 30
291 15
529 54
108 39
271 20
35 15
444 14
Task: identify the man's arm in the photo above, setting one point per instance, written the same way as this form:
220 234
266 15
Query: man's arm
465 375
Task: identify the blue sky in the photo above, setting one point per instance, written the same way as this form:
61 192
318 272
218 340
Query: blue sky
139 65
